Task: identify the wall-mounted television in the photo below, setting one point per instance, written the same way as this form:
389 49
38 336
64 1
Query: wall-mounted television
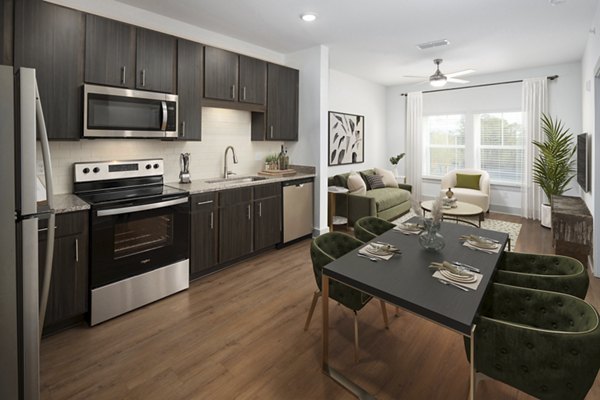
583 162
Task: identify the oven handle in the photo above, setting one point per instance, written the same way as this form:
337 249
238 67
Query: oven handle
131 209
163 104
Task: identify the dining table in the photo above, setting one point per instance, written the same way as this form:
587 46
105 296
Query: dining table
406 281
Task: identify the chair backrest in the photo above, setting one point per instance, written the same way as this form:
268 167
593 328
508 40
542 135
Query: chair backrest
449 180
367 228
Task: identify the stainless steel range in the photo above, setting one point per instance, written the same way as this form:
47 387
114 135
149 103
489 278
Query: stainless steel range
139 235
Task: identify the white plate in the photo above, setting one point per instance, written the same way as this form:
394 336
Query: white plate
458 278
483 244
409 227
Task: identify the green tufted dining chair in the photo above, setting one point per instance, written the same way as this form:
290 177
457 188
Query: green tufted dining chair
546 344
368 228
323 250
546 272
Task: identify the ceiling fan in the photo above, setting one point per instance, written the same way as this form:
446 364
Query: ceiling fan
438 79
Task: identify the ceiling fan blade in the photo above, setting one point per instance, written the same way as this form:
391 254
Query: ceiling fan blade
454 80
460 73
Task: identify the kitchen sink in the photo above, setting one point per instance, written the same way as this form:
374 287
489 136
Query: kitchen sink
232 181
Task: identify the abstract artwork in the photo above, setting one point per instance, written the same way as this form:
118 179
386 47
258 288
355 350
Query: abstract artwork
346 138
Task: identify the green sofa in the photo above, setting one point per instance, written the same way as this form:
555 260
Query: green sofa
385 203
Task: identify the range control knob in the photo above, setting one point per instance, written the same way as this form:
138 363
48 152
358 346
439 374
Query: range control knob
96 170
86 170
155 166
148 166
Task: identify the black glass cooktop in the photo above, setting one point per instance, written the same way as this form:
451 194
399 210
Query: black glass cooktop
139 193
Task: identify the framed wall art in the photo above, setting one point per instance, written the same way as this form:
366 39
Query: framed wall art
346 138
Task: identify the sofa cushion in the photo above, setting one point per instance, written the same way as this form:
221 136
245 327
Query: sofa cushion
468 181
375 181
388 197
355 184
387 177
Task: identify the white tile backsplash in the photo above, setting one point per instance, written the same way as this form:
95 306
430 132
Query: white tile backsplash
220 128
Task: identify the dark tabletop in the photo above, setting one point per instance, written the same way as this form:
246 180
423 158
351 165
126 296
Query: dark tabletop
405 280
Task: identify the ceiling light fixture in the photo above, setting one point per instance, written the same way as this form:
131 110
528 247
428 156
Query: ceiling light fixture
438 79
308 17
435 43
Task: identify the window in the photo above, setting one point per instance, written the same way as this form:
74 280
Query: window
444 143
489 141
501 149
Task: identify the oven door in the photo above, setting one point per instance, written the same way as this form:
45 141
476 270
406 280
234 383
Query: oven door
131 239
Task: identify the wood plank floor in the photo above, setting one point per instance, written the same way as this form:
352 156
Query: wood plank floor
238 334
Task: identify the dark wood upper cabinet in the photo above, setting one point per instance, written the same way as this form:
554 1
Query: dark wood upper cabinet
253 80
282 103
50 39
109 52
6 31
189 89
220 74
156 61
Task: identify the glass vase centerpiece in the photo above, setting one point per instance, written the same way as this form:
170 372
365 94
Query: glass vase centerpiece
431 239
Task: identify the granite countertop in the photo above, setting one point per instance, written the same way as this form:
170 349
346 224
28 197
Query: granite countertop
200 185
67 202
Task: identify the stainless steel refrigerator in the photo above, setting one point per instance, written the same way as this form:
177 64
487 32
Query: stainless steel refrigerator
23 289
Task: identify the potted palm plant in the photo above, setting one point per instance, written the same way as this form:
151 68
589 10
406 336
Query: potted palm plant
394 161
553 168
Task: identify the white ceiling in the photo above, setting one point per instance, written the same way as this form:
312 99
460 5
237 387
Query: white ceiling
376 39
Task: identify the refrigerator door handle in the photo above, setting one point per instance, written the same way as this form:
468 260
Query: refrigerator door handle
43 137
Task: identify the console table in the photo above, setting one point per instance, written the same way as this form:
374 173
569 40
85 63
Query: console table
571 227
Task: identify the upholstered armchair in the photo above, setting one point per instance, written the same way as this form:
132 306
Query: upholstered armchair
476 194
543 343
546 272
325 249
368 228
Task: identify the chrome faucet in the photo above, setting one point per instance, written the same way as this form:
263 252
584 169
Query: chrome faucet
226 173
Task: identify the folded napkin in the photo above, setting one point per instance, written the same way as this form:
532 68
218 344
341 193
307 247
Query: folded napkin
408 229
472 286
485 250
381 254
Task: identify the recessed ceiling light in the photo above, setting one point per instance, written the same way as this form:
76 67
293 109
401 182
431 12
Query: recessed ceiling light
308 17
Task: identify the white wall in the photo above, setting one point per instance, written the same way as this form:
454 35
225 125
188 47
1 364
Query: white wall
590 88
353 95
564 103
220 128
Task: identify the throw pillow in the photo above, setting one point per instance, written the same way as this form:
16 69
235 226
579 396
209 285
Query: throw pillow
364 174
355 184
468 181
375 181
387 176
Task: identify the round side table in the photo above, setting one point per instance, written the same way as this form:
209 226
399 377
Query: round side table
332 218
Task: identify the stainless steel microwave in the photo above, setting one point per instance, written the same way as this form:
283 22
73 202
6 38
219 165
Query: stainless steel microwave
110 112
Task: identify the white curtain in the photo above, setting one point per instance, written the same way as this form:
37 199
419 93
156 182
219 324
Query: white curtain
414 142
535 102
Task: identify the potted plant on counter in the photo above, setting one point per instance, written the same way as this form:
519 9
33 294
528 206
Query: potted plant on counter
553 168
394 161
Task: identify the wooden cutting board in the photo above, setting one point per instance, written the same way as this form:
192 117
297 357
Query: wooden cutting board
278 172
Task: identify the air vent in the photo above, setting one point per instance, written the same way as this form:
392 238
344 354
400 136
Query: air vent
435 43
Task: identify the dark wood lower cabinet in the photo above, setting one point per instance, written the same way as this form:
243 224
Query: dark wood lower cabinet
235 231
69 289
267 222
203 245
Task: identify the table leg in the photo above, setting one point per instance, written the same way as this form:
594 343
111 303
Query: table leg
473 383
325 303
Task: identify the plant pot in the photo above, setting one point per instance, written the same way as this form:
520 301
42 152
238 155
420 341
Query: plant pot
546 216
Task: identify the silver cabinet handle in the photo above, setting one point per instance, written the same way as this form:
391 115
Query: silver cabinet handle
260 209
143 77
212 220
233 91
204 202
271 131
76 249
163 126
182 128
145 207
248 211
45 229
244 93
123 76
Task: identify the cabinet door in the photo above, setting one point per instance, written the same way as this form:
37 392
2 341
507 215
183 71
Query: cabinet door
282 103
235 224
220 74
267 222
203 248
109 52
156 61
253 80
6 32
50 39
189 89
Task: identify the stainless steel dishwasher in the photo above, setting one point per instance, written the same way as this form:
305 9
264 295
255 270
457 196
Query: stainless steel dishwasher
297 209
